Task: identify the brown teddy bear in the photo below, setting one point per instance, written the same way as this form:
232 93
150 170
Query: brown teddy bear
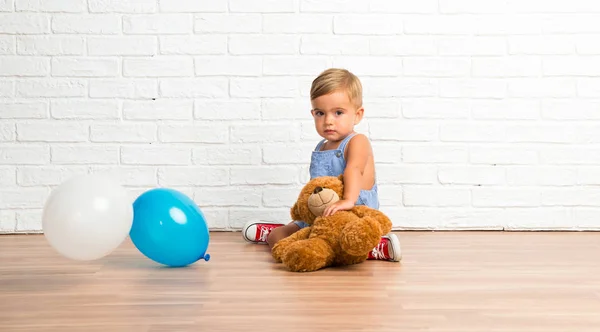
343 238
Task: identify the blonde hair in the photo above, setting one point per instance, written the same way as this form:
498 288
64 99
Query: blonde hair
335 79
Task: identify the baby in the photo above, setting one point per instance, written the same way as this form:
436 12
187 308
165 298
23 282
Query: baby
336 99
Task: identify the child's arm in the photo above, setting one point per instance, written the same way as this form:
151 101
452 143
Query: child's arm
359 151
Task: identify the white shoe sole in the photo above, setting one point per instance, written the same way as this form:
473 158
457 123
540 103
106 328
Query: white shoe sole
397 251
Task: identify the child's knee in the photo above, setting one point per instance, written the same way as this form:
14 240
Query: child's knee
281 233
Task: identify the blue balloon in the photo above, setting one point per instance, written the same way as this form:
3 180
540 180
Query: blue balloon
169 228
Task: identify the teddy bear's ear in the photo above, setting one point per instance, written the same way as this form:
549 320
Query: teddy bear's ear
341 177
294 212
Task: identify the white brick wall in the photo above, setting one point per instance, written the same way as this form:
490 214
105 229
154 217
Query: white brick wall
483 114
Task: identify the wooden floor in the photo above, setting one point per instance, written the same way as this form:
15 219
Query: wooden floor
447 281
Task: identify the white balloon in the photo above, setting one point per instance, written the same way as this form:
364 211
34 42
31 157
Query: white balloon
87 217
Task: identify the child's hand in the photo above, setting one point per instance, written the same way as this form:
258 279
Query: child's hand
337 206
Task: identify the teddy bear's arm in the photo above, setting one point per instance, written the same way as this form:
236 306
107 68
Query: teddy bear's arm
281 246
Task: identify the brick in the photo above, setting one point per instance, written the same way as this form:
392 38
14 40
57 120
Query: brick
406 174
286 154
436 67
7 45
367 24
472 132
239 216
216 218
404 45
228 23
24 154
472 175
385 87
279 197
369 65
23 110
576 23
193 176
571 66
334 6
85 67
160 109
124 88
390 195
8 221
570 197
29 221
502 155
473 88
7 6
434 154
297 23
129 175
7 88
52 132
208 109
49 88
194 87
264 87
587 175
513 66
546 218
570 109
158 24
263 44
506 197
162 66
586 87
438 25
122 6
192 6
436 196
264 175
123 132
104 24
284 109
85 154
384 152
334 45
540 133
471 7
584 45
496 25
52 6
155 155
250 133
409 7
376 108
427 108
8 176
546 45
262 6
24 23
50 45
541 87
292 65
406 131
205 44
84 109
30 176
22 198
234 197
583 218
569 155
226 155
24 66
541 176
505 109
228 66
127 45
472 45
7 132
185 133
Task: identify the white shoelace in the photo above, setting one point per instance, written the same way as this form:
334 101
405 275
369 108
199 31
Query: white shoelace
378 251
264 232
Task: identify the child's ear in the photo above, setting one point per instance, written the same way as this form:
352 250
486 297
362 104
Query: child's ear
359 115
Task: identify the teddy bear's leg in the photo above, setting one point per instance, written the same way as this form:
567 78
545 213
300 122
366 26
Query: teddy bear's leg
359 237
308 255
282 245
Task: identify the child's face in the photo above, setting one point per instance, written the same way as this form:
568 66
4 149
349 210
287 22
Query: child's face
335 115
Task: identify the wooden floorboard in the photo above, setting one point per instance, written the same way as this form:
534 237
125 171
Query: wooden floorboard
446 282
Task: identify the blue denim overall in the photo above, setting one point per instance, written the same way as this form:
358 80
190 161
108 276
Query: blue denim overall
333 163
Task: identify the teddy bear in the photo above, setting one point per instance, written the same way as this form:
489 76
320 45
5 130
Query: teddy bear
343 238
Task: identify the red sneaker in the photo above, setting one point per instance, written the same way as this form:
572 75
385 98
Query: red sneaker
388 249
257 232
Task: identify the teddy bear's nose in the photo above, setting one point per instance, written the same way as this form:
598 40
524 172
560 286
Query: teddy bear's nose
318 190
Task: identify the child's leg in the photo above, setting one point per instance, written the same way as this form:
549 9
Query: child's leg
281 233
388 249
260 232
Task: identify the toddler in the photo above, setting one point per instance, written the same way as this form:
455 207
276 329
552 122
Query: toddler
336 99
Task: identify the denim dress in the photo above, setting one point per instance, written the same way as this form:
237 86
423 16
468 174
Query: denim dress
333 163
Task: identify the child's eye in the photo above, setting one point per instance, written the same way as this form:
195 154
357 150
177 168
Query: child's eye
339 113
319 113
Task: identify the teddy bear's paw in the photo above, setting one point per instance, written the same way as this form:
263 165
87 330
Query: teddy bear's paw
360 237
277 253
